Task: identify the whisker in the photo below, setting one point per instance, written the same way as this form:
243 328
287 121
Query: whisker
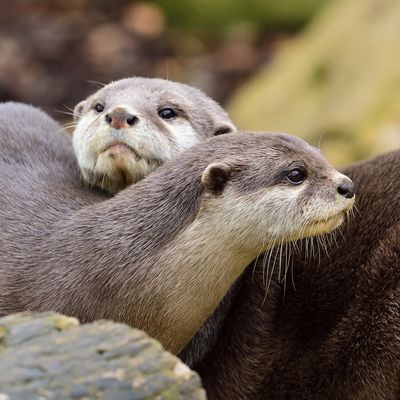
268 261
280 260
334 237
355 209
97 83
69 108
272 273
326 251
64 112
269 283
59 130
339 229
95 120
320 138
70 125
287 266
258 256
167 70
292 276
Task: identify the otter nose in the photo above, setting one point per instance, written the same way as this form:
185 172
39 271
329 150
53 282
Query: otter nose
119 118
346 189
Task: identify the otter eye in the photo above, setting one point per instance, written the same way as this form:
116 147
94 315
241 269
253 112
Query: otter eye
99 108
296 176
167 113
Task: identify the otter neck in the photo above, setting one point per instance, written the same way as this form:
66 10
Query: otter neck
206 264
166 262
179 284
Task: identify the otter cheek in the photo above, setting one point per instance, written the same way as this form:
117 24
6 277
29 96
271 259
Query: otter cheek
84 155
150 143
184 135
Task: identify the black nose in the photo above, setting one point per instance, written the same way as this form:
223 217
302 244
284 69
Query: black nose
119 118
131 119
346 189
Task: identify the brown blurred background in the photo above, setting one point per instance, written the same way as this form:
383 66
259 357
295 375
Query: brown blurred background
328 71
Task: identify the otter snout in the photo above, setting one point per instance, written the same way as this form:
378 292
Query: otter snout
346 189
119 118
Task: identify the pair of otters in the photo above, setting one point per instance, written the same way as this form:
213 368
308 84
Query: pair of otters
162 254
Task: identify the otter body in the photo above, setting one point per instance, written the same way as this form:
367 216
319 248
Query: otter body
335 334
155 255
131 126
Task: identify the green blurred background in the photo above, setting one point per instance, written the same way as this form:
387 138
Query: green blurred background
328 71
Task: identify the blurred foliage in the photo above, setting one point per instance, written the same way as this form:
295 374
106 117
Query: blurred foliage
213 18
337 84
50 49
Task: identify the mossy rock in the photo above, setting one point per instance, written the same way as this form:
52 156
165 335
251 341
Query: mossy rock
50 356
337 84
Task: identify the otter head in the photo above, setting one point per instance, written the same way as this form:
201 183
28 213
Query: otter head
280 189
130 127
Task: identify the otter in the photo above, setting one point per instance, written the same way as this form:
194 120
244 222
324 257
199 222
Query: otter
161 254
331 335
131 126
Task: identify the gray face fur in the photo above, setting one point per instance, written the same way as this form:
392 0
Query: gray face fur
161 254
122 133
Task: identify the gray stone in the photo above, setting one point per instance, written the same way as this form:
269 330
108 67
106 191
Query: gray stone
46 356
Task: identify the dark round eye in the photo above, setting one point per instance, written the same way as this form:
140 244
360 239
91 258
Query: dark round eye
167 113
296 176
99 107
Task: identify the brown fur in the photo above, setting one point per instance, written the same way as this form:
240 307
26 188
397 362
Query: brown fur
336 335
152 256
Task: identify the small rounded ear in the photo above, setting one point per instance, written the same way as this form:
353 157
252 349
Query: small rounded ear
78 110
224 127
215 177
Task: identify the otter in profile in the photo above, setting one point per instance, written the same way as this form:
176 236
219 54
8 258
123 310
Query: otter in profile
132 126
161 254
335 335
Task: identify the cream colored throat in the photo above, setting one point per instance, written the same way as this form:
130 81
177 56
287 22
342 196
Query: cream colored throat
198 267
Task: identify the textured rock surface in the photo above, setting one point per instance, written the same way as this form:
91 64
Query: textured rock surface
50 356
337 83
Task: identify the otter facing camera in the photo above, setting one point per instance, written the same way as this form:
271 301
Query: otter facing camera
120 118
155 119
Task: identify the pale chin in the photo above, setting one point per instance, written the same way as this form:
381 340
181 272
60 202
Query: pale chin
113 173
110 161
325 226
317 228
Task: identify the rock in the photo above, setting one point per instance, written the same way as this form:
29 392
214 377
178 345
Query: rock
50 356
337 83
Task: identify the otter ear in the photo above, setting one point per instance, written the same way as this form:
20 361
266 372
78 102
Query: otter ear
78 110
222 127
215 177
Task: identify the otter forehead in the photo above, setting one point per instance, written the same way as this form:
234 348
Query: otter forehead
296 148
284 149
145 92
266 146
262 159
